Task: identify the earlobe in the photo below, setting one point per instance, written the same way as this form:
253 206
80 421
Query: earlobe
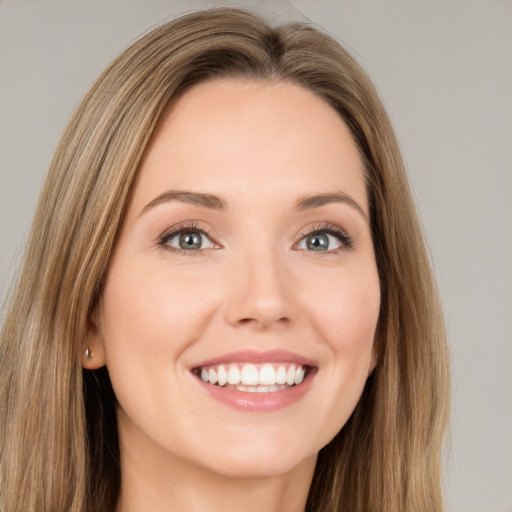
93 355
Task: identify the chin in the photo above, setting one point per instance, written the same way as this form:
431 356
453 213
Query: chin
258 459
260 466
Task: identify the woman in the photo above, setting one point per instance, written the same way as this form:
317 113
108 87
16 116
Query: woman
226 299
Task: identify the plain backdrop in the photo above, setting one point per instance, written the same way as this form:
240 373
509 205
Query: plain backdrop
444 71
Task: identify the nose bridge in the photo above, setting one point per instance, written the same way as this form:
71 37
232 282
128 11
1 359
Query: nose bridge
260 287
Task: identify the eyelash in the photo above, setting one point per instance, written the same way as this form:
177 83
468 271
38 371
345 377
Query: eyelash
188 227
193 227
329 229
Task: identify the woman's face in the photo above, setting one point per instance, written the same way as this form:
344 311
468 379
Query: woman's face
241 301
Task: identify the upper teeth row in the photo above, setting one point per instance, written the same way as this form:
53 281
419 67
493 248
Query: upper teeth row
249 375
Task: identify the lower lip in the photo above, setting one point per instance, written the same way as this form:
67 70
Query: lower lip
259 402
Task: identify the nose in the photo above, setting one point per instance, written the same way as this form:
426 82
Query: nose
260 292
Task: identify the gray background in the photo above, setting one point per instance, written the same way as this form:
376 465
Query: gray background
444 71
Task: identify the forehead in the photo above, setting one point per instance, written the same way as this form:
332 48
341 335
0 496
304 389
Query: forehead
232 136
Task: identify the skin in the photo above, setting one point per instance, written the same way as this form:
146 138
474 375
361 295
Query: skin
255 284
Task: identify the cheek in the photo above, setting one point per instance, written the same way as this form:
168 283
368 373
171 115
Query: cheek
347 308
345 316
148 320
150 311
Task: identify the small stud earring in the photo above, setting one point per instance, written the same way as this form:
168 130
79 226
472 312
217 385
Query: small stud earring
88 354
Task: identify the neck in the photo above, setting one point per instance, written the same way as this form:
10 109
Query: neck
211 494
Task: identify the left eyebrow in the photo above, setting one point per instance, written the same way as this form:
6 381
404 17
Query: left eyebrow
185 196
315 201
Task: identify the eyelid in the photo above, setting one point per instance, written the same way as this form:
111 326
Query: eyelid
184 227
330 229
195 226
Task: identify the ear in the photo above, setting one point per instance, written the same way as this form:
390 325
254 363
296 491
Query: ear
93 356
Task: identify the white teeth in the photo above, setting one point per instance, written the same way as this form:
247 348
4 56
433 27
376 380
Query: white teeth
281 375
222 375
267 375
299 375
212 376
250 375
233 375
290 375
260 389
246 377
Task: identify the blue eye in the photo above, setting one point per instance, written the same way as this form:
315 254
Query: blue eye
325 239
319 242
187 240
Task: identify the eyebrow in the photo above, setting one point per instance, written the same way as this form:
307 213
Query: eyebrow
195 198
317 200
211 201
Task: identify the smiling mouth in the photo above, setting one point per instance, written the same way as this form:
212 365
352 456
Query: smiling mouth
253 378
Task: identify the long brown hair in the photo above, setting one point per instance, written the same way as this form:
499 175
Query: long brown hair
58 443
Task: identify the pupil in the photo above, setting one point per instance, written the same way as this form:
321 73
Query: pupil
190 241
318 242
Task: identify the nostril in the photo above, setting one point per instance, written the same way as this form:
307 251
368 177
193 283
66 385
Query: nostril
263 322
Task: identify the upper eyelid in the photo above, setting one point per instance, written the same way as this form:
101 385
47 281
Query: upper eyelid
193 225
331 229
183 227
322 227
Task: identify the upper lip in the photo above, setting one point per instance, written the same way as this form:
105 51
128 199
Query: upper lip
257 357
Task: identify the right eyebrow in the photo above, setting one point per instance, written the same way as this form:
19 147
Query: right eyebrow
184 196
